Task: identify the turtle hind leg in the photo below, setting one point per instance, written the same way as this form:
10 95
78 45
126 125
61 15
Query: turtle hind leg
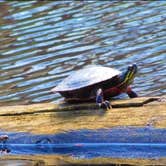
100 100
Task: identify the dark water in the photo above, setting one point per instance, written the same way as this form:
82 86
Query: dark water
121 142
43 42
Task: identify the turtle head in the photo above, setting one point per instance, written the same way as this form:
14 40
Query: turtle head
128 76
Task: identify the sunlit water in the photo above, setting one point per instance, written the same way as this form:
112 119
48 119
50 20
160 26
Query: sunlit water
43 42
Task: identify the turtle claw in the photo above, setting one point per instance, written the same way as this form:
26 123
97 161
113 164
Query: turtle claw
106 104
100 100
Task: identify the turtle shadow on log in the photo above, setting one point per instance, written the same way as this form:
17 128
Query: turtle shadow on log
78 110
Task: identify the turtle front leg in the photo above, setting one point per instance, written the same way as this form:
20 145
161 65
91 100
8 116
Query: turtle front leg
131 93
100 100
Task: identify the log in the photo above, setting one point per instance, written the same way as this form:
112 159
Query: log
50 118
50 107
47 160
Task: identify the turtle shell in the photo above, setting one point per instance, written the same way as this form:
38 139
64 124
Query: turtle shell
85 77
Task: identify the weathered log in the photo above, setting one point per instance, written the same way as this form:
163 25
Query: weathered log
47 160
49 118
50 107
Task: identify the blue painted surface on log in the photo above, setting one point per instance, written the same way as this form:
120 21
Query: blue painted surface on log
121 142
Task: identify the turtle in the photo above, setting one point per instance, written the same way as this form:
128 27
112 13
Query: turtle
97 83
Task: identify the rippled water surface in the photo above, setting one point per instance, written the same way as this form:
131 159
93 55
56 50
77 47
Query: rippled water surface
43 42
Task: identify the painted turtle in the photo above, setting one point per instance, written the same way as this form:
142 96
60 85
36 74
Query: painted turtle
97 83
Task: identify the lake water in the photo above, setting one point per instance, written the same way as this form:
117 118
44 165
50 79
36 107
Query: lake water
43 42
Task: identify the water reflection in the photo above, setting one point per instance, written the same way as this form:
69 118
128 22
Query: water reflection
41 43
